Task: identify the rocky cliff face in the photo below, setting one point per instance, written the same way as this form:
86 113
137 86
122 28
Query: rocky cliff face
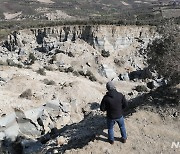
103 37
88 44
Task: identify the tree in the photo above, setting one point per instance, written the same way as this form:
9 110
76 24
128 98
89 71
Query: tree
164 53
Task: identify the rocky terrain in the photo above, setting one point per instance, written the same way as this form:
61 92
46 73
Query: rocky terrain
52 81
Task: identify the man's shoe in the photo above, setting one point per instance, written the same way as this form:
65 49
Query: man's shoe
123 140
111 142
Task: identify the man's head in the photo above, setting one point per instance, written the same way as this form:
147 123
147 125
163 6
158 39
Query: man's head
110 86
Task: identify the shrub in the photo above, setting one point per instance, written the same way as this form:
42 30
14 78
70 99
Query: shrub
1 79
92 78
41 71
88 73
10 62
3 63
69 69
53 58
81 72
49 68
105 53
19 65
119 62
164 54
49 82
76 73
32 58
70 54
141 88
26 94
51 61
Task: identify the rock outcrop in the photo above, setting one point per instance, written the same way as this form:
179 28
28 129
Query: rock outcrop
35 122
103 37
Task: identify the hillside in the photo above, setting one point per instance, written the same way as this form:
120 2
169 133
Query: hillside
88 9
52 80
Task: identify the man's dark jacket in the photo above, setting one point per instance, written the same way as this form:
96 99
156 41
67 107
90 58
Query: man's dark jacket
113 102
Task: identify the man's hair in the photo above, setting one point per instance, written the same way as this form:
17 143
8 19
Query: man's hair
110 85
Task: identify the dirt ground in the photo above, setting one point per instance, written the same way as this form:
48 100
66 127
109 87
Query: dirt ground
147 133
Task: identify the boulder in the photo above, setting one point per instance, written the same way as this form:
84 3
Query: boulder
124 77
65 107
35 122
26 125
9 129
61 140
62 121
12 132
106 71
156 83
2 136
76 114
54 104
45 121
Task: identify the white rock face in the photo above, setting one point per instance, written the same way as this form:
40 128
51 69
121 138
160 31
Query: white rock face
108 72
111 38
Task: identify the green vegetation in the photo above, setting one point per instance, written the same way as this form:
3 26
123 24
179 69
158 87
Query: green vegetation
49 68
10 62
105 53
119 62
6 27
26 94
69 69
105 12
164 53
4 33
41 71
32 58
141 88
49 82
3 62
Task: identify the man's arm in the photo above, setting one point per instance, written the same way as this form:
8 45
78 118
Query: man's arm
124 102
103 104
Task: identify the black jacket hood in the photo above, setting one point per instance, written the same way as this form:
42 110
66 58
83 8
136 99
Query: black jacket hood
111 93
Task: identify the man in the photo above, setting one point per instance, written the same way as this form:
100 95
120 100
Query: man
113 103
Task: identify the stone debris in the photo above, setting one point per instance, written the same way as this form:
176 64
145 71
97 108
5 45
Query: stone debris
35 122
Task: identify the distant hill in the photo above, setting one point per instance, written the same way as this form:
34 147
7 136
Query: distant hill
88 9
